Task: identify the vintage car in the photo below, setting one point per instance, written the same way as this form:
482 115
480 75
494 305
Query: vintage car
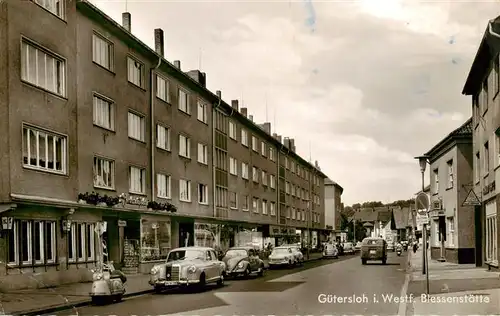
296 252
330 251
282 256
243 261
188 266
373 248
348 248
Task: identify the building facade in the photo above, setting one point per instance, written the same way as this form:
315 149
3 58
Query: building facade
104 134
450 179
333 206
483 85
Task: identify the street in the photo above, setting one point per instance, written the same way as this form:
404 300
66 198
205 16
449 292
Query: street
302 290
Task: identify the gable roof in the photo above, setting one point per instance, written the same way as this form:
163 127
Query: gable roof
366 214
401 217
463 132
384 216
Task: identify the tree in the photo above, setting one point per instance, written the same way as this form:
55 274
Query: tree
372 204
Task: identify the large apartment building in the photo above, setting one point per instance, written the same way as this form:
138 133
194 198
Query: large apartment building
483 85
104 134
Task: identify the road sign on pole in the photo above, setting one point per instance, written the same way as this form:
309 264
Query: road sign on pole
422 203
472 199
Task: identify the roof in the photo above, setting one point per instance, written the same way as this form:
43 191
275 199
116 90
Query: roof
328 181
365 215
91 11
401 217
462 132
384 216
481 63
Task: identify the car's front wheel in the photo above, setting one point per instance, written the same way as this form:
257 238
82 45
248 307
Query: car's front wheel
220 282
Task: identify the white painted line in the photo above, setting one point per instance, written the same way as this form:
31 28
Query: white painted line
403 303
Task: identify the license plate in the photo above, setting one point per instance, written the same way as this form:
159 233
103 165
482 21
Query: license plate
372 252
170 283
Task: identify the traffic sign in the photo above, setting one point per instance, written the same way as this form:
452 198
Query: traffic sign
472 199
422 203
422 219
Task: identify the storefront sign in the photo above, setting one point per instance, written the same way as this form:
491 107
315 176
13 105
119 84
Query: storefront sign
281 231
489 188
133 200
122 223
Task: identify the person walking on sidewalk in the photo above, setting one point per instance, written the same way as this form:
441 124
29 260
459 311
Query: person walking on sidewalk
415 246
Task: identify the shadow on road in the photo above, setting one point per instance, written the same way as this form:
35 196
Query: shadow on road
381 264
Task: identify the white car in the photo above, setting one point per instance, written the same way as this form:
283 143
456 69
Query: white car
348 247
330 251
299 256
282 256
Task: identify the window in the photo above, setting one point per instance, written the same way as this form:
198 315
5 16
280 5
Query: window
486 158
42 68
477 166
272 181
435 174
184 101
292 166
271 154
286 162
288 212
31 242
435 233
202 153
293 213
255 205
263 149
56 7
162 89
102 51
497 151
244 137
232 130
103 113
272 208
287 188
184 146
255 144
450 174
202 112
185 190
137 180
44 150
264 178
451 231
491 237
104 173
202 194
233 200
163 186
244 170
162 137
81 242
255 174
136 126
264 207
244 202
477 110
233 166
135 72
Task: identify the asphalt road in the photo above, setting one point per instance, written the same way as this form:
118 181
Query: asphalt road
280 292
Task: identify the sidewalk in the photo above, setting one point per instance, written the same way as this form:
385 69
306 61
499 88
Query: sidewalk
49 300
455 289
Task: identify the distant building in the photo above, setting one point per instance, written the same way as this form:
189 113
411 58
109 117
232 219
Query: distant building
333 204
452 225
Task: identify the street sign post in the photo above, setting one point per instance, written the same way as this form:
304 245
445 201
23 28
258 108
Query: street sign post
422 204
472 199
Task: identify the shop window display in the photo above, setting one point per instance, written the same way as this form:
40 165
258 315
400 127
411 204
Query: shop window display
155 240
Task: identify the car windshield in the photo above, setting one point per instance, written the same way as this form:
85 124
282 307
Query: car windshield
280 251
236 253
373 242
185 254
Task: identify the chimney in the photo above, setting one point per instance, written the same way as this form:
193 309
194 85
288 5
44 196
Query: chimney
159 44
219 94
250 117
286 142
234 104
275 135
278 137
267 127
127 21
177 64
292 144
243 112
198 76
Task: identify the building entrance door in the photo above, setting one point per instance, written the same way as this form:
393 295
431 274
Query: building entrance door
186 234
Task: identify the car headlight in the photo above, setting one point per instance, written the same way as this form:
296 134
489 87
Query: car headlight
97 276
286 258
240 265
192 269
154 270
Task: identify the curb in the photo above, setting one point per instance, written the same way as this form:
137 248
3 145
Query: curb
58 308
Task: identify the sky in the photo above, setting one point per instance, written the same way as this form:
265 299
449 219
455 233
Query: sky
362 86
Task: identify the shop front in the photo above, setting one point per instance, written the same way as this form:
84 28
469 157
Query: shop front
283 235
155 241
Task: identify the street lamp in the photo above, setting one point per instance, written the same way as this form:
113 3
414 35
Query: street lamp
423 161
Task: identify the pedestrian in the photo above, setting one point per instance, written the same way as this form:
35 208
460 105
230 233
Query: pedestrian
415 246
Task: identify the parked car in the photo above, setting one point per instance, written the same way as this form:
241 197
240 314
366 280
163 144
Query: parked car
299 256
358 246
188 266
282 256
243 261
330 251
374 248
348 248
